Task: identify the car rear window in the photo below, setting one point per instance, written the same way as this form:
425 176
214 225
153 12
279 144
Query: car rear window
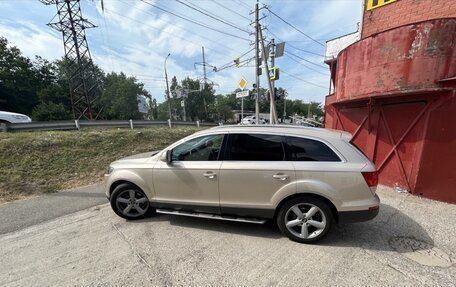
303 149
255 147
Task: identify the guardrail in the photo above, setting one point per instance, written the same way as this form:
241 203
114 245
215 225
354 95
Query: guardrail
80 124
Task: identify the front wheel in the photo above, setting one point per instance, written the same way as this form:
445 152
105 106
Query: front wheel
130 202
304 219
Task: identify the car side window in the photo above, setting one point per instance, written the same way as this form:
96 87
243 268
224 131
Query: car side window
255 147
205 148
303 149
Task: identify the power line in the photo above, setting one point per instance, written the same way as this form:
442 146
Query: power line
208 14
232 63
310 68
183 28
294 27
293 46
145 24
305 60
155 28
243 4
239 14
302 80
305 51
195 22
313 63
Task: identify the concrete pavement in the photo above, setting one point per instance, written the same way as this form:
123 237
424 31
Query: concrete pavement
411 243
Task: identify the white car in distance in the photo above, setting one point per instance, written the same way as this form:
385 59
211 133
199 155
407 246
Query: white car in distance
251 120
9 117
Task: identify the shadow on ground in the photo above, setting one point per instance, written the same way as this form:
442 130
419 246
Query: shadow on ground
374 234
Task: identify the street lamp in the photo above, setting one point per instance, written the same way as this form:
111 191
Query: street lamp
167 89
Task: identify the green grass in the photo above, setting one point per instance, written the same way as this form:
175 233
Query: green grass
42 162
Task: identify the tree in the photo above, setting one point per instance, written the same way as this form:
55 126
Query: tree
50 112
198 101
94 76
120 97
18 81
223 107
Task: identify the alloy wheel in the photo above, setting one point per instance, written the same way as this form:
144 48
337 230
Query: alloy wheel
132 203
305 220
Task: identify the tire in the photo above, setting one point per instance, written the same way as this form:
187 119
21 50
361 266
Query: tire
130 202
294 223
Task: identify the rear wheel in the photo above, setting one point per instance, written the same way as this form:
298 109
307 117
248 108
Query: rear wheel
304 219
130 202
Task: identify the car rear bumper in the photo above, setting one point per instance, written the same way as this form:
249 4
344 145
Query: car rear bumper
360 215
357 216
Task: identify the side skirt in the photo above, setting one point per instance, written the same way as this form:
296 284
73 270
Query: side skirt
211 216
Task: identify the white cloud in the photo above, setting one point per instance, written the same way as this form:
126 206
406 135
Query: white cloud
32 40
135 38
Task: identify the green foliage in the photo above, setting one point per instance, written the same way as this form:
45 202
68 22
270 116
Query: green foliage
198 102
18 80
50 112
223 108
120 97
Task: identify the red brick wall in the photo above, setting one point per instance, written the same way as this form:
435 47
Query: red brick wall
405 12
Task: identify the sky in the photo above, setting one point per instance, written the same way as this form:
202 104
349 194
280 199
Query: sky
134 37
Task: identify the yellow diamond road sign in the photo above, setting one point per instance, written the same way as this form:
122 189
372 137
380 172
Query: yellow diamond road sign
242 83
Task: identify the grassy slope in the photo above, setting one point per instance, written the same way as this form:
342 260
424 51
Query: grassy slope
39 162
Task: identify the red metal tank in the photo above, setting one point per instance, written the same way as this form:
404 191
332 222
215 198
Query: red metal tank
395 91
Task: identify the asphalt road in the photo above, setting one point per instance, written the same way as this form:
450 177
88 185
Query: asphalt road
411 243
23 213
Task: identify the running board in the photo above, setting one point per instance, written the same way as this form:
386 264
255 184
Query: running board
211 216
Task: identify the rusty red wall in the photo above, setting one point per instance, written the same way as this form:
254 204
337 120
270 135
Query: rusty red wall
403 12
399 60
437 169
390 95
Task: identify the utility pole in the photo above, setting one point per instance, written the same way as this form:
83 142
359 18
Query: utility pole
272 103
83 89
183 104
257 66
273 116
308 110
204 83
168 98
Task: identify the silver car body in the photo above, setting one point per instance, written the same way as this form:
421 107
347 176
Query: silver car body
253 188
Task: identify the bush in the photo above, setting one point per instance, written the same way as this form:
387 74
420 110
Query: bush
50 112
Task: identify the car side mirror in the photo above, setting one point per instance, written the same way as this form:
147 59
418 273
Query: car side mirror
166 156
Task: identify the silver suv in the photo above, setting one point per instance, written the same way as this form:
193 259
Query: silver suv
303 178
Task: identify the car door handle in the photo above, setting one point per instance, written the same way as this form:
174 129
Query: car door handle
209 174
280 176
